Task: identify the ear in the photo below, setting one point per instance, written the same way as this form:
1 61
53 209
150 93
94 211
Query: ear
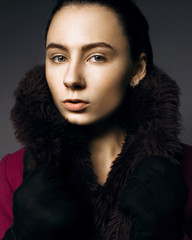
139 70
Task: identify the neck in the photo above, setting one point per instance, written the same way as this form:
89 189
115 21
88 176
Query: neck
106 143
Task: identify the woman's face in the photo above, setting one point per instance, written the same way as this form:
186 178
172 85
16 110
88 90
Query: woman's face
88 63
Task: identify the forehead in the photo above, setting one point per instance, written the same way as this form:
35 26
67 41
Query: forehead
76 24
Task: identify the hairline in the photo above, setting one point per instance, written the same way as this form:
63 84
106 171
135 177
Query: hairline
96 4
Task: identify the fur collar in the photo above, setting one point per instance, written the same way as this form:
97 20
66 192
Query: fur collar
149 114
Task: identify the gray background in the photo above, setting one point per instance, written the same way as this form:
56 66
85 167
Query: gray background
22 26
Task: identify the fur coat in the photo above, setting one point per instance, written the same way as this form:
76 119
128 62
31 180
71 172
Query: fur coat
149 115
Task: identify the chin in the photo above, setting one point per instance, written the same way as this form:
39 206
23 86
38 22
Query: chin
88 119
79 121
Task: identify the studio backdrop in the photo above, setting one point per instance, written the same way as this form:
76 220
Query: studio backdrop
22 28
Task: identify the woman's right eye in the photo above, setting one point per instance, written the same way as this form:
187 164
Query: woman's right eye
59 59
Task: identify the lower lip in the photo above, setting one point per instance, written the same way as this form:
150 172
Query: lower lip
75 107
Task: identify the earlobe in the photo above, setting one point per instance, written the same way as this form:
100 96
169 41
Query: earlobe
140 70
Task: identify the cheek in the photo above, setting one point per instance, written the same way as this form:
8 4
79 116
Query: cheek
53 80
49 76
110 93
115 82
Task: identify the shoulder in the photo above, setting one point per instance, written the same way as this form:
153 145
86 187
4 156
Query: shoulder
187 153
11 168
186 166
11 176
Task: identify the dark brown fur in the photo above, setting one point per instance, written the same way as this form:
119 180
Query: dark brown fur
149 115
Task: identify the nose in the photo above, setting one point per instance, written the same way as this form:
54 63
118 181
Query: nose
74 76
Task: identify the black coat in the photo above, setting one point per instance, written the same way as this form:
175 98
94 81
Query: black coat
150 117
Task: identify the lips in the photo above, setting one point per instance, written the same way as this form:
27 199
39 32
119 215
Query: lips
75 105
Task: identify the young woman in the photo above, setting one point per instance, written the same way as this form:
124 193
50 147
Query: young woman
99 124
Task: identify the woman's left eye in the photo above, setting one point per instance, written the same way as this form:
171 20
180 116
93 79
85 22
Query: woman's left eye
97 58
59 58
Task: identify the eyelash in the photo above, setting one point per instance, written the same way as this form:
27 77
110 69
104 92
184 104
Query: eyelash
102 58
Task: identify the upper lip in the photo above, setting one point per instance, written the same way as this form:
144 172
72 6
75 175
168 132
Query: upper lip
76 100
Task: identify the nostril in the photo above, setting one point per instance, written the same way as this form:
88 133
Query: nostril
74 82
78 86
75 85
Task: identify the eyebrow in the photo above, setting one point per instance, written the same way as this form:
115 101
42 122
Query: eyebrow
84 48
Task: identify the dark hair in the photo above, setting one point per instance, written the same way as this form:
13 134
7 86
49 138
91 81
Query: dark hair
133 21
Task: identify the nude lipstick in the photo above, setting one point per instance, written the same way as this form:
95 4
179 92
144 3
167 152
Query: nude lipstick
75 105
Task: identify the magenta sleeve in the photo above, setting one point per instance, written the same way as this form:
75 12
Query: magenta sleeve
11 176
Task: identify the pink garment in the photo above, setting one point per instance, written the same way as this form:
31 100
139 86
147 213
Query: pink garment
11 176
187 174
